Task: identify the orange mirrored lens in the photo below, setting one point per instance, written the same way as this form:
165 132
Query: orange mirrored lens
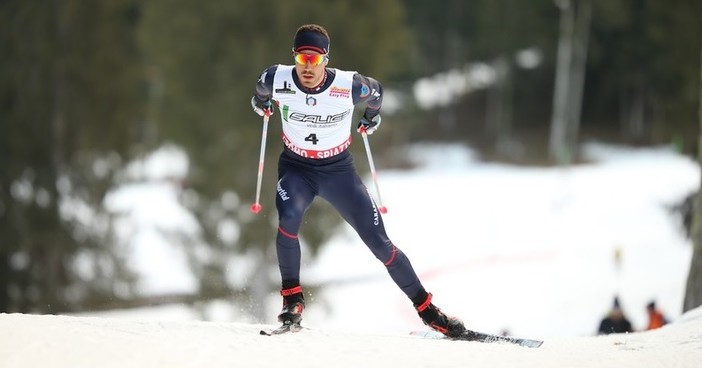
313 59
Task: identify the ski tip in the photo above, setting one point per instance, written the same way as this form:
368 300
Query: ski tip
527 343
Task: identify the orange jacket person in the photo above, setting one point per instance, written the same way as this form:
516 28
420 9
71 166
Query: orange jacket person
655 317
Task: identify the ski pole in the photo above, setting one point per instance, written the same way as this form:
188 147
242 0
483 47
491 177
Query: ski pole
256 207
374 175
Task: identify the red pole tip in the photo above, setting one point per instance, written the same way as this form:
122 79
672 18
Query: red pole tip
256 207
383 209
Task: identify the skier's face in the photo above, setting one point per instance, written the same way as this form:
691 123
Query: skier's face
309 66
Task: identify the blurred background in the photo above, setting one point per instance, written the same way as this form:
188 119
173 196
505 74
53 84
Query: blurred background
98 98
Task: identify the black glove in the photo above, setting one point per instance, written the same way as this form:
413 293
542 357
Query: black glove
369 125
262 107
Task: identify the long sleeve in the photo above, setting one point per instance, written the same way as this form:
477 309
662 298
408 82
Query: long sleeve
370 91
264 85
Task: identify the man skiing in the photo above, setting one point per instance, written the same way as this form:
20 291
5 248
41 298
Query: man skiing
316 105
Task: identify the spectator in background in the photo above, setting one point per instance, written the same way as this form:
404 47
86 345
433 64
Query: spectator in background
656 319
615 321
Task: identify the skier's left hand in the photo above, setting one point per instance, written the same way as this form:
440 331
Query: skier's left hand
369 125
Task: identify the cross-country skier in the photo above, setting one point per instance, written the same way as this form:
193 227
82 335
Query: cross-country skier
316 105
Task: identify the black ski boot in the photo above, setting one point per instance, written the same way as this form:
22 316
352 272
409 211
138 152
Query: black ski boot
436 319
293 305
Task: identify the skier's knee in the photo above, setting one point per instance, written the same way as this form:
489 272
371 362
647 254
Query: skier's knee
289 216
393 257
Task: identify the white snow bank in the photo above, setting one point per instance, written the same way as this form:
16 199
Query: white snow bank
62 341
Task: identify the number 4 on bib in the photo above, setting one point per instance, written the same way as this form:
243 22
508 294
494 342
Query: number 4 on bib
312 138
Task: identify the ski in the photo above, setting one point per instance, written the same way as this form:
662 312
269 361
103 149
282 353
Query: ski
491 338
470 335
284 328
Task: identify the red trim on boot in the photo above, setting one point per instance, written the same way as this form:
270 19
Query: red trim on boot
291 291
425 304
298 308
439 328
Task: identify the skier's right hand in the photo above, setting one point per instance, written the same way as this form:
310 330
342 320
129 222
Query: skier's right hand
262 107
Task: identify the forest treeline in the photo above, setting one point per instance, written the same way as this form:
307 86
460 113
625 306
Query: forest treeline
87 87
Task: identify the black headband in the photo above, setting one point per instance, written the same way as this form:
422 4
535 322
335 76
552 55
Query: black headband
311 40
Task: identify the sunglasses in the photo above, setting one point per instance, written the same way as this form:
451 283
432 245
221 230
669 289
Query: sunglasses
312 59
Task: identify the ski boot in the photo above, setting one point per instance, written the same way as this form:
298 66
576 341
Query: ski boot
293 305
437 320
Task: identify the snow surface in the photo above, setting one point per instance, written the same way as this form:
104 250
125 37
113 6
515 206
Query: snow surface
90 342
